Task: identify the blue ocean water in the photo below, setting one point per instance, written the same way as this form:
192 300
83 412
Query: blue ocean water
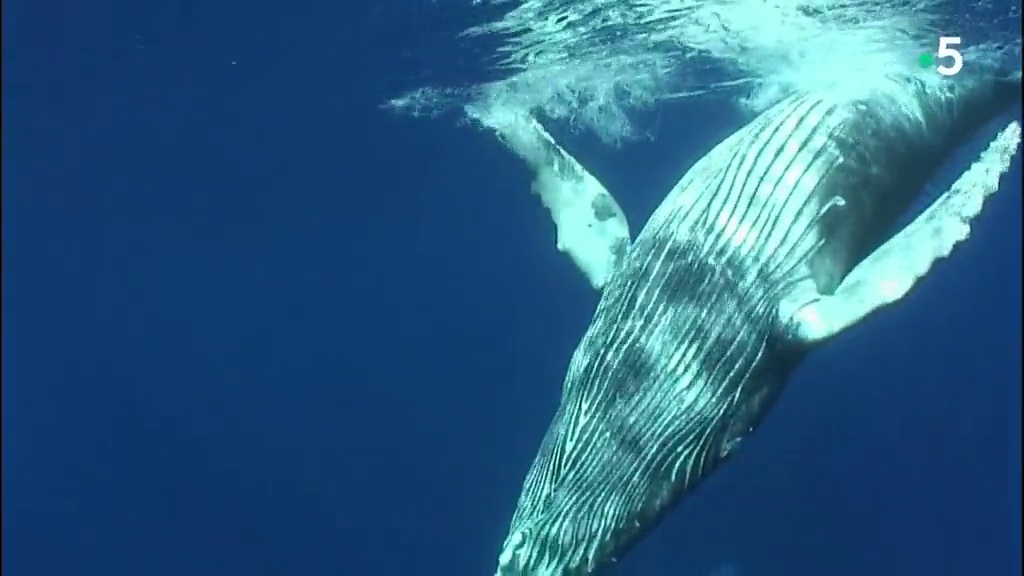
253 324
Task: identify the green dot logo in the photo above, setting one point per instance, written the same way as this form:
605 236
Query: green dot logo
926 60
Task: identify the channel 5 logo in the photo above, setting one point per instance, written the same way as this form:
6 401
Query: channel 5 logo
947 50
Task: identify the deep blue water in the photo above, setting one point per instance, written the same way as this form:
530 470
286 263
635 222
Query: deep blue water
253 325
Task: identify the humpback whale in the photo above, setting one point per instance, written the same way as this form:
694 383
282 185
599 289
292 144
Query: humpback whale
775 241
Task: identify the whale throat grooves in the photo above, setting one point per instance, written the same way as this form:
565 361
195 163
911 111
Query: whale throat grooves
648 412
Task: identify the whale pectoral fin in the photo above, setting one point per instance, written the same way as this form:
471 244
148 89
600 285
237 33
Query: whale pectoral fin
591 228
889 272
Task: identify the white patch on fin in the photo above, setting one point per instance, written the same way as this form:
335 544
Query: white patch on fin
889 272
591 227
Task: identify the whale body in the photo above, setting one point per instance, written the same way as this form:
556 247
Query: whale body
776 240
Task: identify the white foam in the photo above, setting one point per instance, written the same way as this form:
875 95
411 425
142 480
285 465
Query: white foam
594 62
